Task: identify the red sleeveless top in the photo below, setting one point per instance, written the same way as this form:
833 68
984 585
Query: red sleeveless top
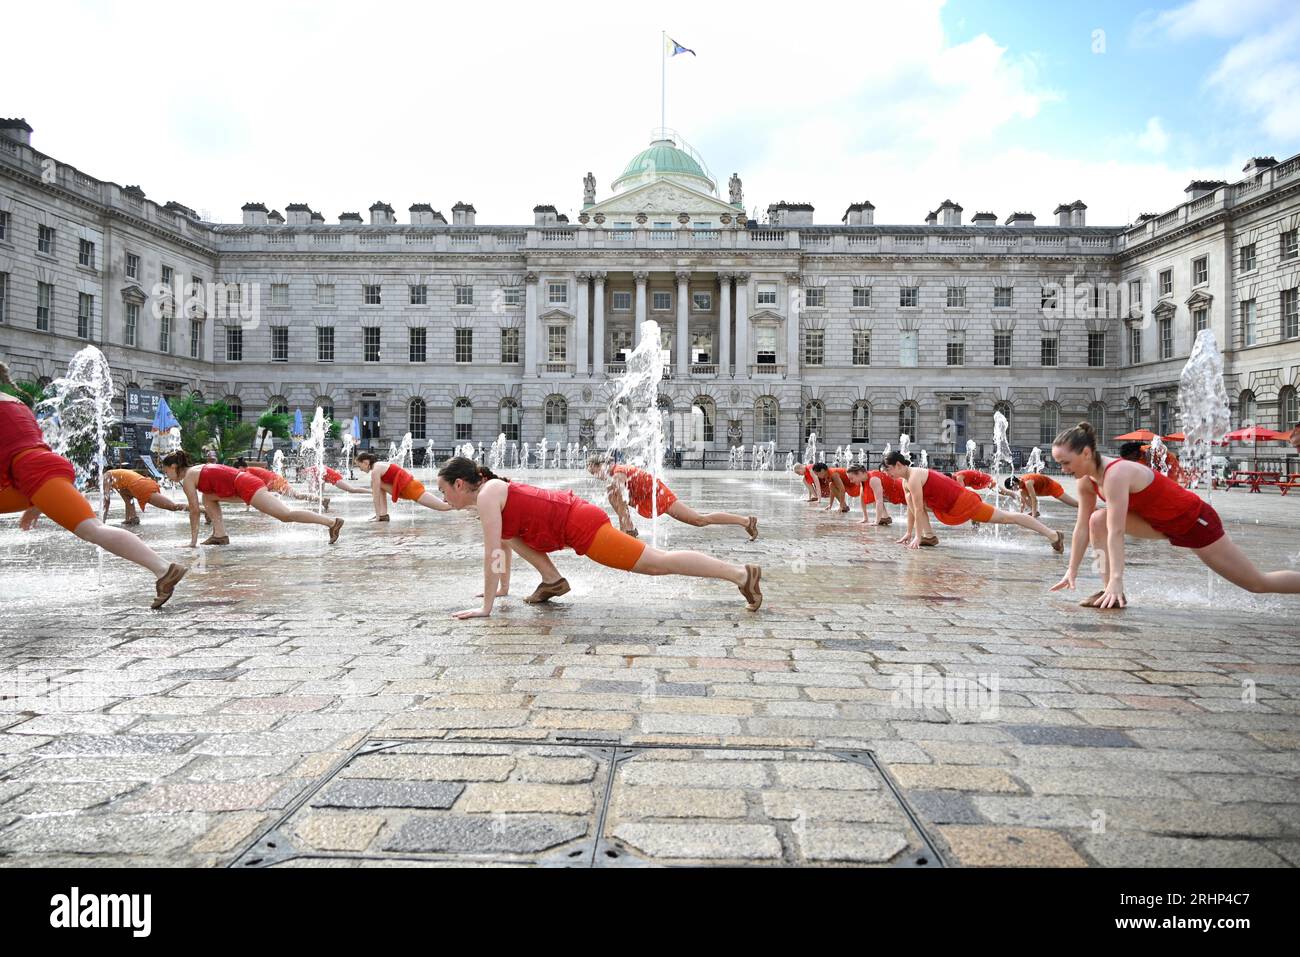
398 478
550 519
218 480
850 487
940 492
19 431
891 486
975 478
1166 505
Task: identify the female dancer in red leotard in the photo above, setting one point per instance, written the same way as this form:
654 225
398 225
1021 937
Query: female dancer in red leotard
217 482
1146 504
391 479
35 482
630 486
534 521
877 488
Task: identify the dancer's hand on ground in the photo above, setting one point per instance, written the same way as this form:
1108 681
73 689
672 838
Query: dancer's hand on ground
471 613
903 540
915 542
1066 582
1112 597
29 517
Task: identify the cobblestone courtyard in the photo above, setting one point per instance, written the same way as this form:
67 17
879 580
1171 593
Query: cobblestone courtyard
300 705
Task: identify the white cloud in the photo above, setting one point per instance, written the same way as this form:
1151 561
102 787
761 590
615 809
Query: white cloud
1153 138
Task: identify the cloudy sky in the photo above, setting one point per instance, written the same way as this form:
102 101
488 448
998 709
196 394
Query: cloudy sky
997 105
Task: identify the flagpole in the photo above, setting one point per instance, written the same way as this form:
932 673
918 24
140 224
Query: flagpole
663 80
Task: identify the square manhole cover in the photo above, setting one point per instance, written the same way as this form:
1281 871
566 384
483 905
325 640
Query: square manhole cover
503 803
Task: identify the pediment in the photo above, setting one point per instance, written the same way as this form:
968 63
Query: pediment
134 295
1164 309
556 315
662 198
1199 298
766 315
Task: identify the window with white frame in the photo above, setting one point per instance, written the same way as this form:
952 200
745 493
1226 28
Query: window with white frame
1200 319
4 226
417 418
1288 404
814 347
509 346
702 301
766 419
1135 295
85 315
1290 248
907 418
1248 322
86 253
1247 410
1290 313
418 295
464 345
766 294
1049 348
621 301
165 333
370 342
707 416
324 343
701 347
861 297
464 295
1200 271
814 297
373 295
557 344
1248 258
234 344
765 345
45 240
861 431
511 296
1166 338
324 294
1096 350
956 352
620 343
4 297
1047 297
909 297
168 274
44 305
1097 417
132 266
132 324
417 344
1135 345
279 294
956 297
1166 282
909 348
279 343
462 417
1002 297
814 413
508 419
661 301
861 347
1049 423
1002 348
557 293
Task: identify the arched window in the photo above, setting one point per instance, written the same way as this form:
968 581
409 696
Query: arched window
1247 410
278 404
417 420
665 406
709 411
861 422
1049 423
1134 414
1097 418
556 414
236 407
814 414
462 419
196 395
907 419
508 416
1288 408
766 419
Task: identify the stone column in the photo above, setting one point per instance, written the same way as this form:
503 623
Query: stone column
742 324
683 322
530 324
724 323
641 279
598 334
793 307
580 333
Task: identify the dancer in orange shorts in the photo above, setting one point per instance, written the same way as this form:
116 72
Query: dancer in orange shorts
388 478
217 482
36 482
277 483
134 487
1145 504
335 478
1031 485
532 522
878 489
630 486
931 490
818 487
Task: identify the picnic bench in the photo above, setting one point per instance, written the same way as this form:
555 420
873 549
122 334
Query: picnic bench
1254 479
1292 481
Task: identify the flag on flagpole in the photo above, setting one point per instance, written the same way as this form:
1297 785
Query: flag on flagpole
673 48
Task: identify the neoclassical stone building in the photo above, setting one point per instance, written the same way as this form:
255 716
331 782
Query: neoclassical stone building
858 331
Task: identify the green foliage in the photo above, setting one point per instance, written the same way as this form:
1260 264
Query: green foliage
28 392
274 423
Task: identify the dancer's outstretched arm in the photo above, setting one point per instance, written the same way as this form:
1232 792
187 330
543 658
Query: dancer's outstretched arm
496 560
1079 540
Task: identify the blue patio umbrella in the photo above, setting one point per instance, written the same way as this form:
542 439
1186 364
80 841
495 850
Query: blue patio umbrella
297 422
163 418
356 428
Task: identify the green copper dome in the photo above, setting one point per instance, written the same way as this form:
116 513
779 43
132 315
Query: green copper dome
663 159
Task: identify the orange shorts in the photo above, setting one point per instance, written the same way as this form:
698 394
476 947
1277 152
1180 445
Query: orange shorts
57 498
134 485
1049 487
969 507
615 549
412 491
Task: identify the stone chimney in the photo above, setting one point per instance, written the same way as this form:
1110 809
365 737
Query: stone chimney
462 214
17 130
1202 187
299 214
1020 219
422 214
274 218
254 214
949 213
542 215
1257 165
1062 214
859 214
985 219
381 214
932 219
350 219
790 214
316 218
174 207
1078 213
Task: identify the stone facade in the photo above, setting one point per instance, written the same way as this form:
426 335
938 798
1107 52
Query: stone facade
859 330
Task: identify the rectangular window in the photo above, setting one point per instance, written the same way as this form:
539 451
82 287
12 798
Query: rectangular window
766 294
234 344
956 297
814 297
909 296
1135 345
1002 297
86 253
814 347
862 348
464 345
1248 322
370 343
1290 316
1047 298
279 343
1166 338
4 297
509 346
1201 271
418 295
167 274
324 294
661 301
464 295
45 240
622 302
1047 350
324 343
1166 282
701 348
132 323
1096 349
511 296
373 295
956 348
861 297
557 293
4 226
1290 249
765 343
85 315
196 338
620 341
165 333
702 301
1002 348
1135 294
557 344
909 348
417 340
132 266
1248 258
279 294
44 305
1200 320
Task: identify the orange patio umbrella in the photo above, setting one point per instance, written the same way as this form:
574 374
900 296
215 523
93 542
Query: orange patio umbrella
1141 435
